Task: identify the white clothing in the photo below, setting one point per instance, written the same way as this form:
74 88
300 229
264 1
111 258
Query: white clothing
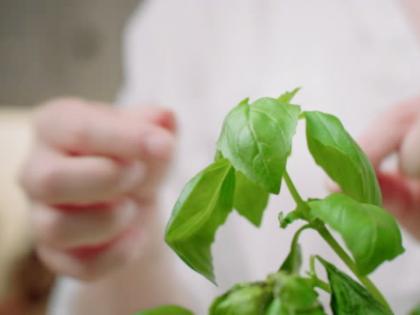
201 57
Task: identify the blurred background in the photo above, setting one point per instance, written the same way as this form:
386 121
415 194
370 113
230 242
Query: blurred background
47 48
54 48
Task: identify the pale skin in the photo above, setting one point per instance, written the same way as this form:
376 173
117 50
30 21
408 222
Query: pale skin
93 177
397 131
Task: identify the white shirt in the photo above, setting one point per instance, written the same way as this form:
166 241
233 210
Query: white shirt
200 57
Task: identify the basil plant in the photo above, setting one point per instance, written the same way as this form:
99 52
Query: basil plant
250 164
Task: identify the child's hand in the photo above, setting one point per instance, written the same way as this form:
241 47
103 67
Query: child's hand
92 177
398 131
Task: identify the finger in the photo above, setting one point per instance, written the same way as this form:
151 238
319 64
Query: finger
88 267
331 185
80 127
385 134
92 227
409 154
57 179
401 197
155 173
396 192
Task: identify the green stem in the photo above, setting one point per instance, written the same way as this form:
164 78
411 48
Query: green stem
295 240
321 284
314 277
299 232
312 269
292 188
326 235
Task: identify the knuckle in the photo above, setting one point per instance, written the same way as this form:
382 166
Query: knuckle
45 181
50 109
62 111
113 176
79 137
46 225
130 178
157 143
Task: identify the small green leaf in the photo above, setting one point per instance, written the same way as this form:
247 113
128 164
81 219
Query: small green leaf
166 310
203 206
339 155
296 295
293 261
348 296
287 97
292 216
250 200
257 140
369 232
243 299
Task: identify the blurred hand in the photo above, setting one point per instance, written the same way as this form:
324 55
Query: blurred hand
92 177
398 131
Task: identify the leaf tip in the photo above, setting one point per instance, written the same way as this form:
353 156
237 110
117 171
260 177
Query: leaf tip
287 96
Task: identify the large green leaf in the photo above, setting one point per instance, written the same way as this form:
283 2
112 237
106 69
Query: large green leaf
295 295
415 311
166 310
339 155
257 140
369 232
243 299
203 206
349 297
250 199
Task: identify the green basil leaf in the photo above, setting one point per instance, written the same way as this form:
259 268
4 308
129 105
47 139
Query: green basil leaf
341 158
287 97
275 308
296 295
243 299
348 296
369 232
203 206
293 261
250 199
415 311
257 140
166 310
